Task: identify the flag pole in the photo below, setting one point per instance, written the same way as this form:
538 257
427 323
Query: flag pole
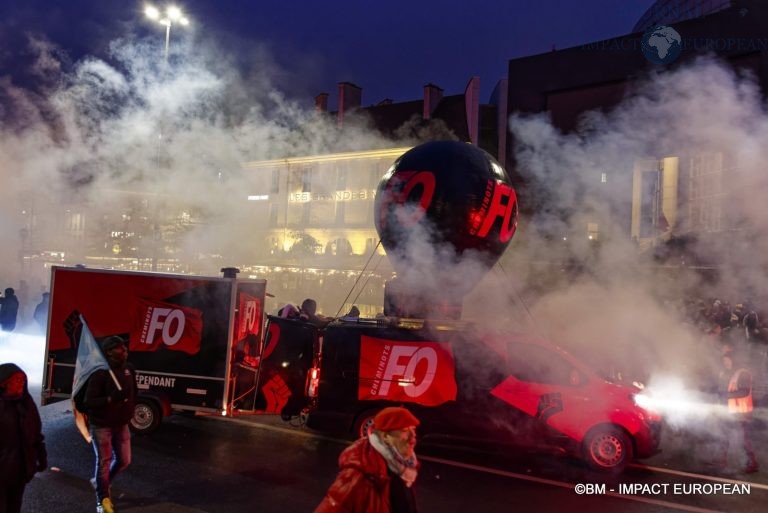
114 378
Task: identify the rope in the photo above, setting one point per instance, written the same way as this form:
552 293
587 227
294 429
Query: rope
358 279
520 298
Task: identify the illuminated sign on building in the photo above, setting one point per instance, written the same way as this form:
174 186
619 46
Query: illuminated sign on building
304 197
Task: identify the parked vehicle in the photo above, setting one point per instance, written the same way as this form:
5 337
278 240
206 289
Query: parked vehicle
196 342
465 385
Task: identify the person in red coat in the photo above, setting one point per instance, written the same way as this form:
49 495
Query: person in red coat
22 446
377 472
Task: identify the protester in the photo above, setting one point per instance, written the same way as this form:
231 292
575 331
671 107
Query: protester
352 315
309 314
41 311
109 410
9 309
377 472
736 390
288 311
22 449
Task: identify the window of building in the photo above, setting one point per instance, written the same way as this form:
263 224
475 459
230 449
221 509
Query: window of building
340 209
273 210
370 245
592 231
341 178
306 180
275 186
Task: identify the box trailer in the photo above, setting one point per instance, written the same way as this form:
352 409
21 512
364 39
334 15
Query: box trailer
196 342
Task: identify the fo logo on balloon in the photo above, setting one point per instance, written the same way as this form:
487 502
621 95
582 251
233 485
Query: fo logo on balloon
456 192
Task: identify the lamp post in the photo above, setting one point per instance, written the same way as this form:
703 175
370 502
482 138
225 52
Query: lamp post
172 15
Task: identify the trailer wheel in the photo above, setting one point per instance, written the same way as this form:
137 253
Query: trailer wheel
363 422
146 416
607 449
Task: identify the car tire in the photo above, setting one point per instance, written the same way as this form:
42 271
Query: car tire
363 422
146 416
607 449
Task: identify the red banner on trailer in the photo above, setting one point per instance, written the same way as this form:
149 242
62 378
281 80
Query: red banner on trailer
157 324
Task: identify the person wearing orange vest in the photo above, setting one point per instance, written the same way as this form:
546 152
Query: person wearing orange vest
736 388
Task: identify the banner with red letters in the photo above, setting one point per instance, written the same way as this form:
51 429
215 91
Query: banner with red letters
248 315
158 324
421 372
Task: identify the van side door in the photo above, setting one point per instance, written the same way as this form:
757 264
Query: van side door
546 387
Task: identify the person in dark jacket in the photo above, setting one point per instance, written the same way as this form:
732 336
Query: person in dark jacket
109 411
41 311
9 308
309 314
22 449
377 472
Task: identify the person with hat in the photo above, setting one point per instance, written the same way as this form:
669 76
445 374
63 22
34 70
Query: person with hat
41 311
22 446
377 472
109 410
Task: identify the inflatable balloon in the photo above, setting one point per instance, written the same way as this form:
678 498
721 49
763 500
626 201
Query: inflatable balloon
456 192
444 194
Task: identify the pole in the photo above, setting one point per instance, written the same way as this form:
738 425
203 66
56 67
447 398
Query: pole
167 39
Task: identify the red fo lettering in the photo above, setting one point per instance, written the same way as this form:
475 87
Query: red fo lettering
503 210
409 181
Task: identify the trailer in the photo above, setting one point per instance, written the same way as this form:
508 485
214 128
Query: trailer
196 342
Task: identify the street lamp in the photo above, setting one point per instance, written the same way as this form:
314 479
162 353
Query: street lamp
172 15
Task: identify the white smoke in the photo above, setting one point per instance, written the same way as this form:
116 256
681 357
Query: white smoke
612 307
134 133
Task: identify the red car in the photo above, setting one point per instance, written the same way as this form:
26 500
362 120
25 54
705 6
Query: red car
465 385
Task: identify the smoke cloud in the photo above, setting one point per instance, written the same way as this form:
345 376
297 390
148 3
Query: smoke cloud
608 301
132 137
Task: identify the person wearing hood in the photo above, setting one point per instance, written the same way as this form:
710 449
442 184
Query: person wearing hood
9 309
22 446
377 472
109 411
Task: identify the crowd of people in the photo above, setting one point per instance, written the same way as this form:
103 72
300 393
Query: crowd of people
736 340
11 306
738 323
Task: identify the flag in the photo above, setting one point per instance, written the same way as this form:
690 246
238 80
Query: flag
157 325
90 358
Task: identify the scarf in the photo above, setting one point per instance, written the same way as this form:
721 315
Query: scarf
406 468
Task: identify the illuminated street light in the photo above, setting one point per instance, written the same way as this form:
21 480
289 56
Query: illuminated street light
172 15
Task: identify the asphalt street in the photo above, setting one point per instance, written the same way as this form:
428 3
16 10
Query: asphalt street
212 465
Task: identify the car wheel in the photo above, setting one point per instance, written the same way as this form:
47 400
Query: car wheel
146 416
607 449
363 423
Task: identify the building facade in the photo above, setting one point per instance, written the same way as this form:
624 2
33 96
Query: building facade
673 195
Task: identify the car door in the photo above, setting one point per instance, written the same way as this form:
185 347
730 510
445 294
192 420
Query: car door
548 389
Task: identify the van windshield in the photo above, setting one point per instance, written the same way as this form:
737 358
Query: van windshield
537 364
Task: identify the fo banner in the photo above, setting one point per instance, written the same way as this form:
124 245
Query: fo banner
415 372
249 316
157 324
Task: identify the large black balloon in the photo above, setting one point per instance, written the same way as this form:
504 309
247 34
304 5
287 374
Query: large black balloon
457 192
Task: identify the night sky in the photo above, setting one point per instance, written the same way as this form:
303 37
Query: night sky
390 49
